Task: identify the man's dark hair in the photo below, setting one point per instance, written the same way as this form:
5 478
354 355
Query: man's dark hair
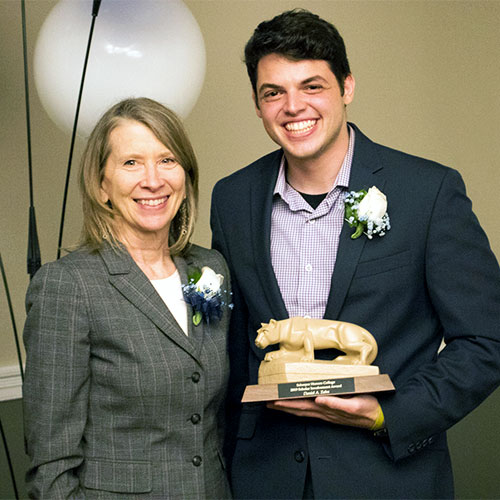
297 34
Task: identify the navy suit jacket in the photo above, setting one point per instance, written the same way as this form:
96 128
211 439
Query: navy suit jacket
433 276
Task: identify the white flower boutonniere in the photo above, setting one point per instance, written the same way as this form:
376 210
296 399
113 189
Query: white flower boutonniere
203 293
367 212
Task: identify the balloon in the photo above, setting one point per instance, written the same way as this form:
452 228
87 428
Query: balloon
139 49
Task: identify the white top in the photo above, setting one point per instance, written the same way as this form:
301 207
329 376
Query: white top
170 290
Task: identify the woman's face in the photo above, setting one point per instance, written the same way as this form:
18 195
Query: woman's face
143 182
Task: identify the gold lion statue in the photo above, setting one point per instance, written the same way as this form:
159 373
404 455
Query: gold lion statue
298 338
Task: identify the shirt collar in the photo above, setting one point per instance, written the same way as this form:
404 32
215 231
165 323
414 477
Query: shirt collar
281 187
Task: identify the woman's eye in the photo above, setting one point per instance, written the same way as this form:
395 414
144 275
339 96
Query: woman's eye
130 163
169 161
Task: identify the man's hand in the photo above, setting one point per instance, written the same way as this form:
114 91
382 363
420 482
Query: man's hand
355 411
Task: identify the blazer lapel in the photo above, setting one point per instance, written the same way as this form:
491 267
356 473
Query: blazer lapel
195 333
365 173
261 209
133 284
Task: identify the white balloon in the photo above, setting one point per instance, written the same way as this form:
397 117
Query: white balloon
147 48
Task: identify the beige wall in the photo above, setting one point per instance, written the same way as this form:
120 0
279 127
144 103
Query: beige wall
427 74
427 82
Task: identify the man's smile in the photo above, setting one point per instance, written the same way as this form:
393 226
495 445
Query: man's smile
300 127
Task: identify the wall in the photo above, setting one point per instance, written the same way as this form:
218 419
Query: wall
427 77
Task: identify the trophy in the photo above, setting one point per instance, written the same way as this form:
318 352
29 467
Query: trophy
293 372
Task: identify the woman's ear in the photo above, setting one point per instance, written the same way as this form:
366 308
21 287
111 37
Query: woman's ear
103 195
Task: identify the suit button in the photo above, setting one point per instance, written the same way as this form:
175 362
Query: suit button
195 418
196 461
299 456
195 377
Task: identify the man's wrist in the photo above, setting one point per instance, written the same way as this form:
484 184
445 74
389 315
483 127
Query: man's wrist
379 423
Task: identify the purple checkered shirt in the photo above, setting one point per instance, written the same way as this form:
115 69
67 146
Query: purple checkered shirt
304 241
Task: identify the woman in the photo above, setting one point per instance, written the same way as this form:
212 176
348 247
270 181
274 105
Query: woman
124 379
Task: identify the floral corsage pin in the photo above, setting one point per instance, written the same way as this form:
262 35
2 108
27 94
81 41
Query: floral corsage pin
203 294
367 212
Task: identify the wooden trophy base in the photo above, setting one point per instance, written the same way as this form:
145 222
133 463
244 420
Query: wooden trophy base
289 380
278 372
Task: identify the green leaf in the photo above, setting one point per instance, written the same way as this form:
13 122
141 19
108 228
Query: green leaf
359 231
194 274
197 317
348 212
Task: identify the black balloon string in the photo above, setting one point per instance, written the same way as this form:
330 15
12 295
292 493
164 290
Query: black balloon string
95 10
33 258
33 253
19 358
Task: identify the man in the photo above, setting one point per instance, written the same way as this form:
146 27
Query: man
430 276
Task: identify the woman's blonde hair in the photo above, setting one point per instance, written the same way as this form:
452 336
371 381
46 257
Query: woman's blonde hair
167 127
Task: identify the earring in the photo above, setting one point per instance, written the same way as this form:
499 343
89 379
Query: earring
184 218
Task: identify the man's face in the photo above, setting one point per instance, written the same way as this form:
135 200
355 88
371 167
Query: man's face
301 106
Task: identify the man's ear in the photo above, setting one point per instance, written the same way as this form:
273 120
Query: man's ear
256 104
349 85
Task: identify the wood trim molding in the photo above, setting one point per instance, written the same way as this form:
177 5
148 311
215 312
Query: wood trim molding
10 383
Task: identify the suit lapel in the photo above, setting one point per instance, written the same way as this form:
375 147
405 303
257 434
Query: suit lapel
133 284
366 171
261 207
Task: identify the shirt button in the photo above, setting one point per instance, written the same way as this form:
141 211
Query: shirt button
299 456
308 267
311 221
195 377
196 461
195 418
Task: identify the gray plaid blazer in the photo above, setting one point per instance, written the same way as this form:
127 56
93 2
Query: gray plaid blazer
118 401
